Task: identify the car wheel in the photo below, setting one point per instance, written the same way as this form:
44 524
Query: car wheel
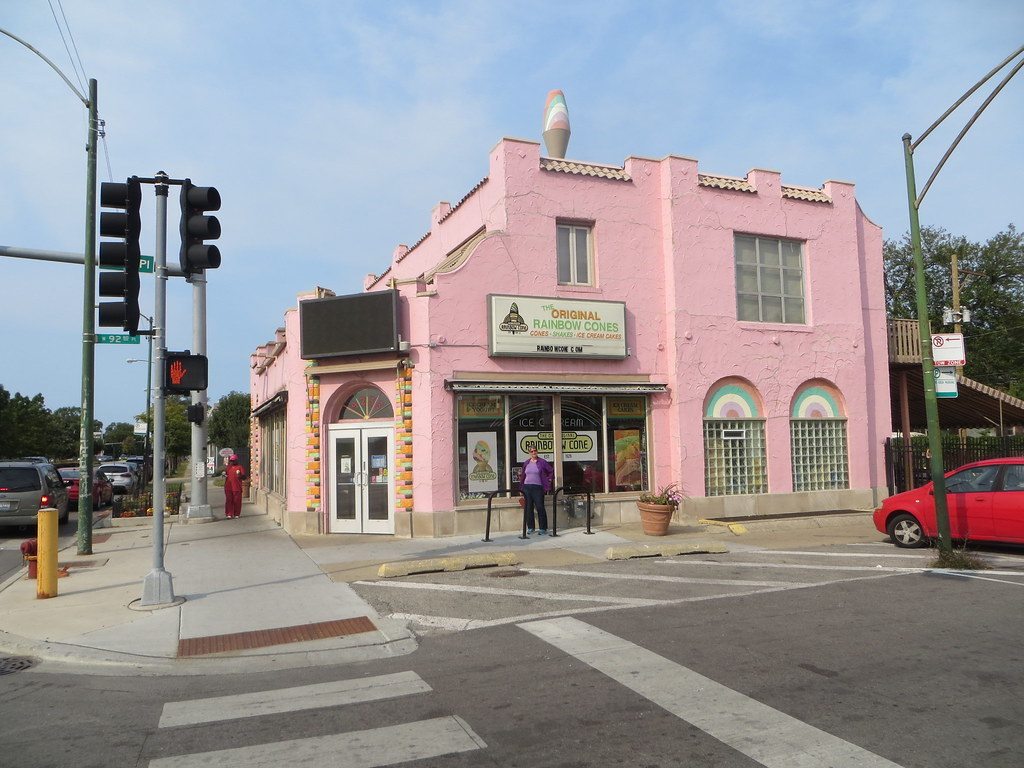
67 514
905 531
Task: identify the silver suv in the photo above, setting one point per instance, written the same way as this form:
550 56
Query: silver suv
25 488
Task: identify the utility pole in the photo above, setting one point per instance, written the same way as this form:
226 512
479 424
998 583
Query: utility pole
85 439
927 361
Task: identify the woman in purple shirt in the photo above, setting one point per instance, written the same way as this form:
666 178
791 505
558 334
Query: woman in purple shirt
538 476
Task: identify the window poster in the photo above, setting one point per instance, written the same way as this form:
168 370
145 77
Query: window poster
482 476
628 457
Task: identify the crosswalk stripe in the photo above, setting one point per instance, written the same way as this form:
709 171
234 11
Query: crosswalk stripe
666 579
372 748
800 566
611 599
812 553
772 738
335 693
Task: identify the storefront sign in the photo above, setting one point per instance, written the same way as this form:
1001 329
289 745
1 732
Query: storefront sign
481 407
536 326
576 446
625 407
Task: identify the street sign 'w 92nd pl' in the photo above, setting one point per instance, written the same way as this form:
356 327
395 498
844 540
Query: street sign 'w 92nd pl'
116 338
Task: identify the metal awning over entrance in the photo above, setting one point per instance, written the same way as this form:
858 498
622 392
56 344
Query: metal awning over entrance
568 388
976 406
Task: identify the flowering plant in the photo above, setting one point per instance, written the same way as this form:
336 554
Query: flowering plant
669 495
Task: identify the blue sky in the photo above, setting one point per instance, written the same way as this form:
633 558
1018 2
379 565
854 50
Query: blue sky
332 128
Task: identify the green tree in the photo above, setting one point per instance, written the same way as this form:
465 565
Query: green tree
123 435
67 426
177 430
229 421
25 426
991 287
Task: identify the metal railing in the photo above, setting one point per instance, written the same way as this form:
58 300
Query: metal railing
568 490
955 453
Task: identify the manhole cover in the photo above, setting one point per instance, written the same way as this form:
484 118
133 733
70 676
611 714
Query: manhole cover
11 664
508 574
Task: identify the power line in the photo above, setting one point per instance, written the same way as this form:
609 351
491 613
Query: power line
79 71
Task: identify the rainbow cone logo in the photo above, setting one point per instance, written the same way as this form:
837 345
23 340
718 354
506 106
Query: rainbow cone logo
556 125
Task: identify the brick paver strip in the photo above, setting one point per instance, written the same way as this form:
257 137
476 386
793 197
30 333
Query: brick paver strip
263 638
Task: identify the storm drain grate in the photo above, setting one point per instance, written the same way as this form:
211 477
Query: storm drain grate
11 664
509 574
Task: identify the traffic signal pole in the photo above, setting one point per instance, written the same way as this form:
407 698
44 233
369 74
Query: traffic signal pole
157 587
199 507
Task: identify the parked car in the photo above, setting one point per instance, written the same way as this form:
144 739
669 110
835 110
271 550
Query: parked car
985 501
122 476
25 488
34 459
102 488
137 469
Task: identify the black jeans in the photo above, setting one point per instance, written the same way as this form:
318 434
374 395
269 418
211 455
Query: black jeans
534 495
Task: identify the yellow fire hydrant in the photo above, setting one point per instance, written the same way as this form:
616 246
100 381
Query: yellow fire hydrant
46 559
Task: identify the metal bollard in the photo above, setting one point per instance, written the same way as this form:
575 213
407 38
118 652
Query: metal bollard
46 584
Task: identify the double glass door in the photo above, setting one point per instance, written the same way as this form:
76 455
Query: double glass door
362 480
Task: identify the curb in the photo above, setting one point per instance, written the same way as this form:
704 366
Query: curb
664 550
456 563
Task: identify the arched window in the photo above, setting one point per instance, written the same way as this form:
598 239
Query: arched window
735 460
367 403
817 431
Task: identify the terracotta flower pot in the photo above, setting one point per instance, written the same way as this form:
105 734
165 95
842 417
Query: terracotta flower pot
654 518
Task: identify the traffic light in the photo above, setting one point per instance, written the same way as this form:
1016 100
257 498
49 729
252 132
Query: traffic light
196 226
196 413
184 372
121 255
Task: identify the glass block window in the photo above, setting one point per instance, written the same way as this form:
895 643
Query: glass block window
575 262
819 454
769 280
735 460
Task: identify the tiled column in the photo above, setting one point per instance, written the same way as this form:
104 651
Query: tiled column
403 442
313 497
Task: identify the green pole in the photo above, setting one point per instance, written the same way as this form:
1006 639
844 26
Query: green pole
85 447
931 407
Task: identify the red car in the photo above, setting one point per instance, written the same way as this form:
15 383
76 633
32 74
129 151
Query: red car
102 489
985 501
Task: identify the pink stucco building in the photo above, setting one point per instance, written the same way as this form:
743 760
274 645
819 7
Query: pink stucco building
641 325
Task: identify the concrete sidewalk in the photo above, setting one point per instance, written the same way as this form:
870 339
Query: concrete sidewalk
257 599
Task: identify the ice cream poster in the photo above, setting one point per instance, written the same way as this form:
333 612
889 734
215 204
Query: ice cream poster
628 458
480 459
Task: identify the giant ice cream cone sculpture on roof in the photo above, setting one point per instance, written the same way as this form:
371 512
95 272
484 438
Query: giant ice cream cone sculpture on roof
556 125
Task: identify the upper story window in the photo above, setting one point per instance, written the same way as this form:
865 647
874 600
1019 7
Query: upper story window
769 280
575 257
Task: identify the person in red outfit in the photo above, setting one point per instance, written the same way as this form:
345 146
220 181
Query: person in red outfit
233 477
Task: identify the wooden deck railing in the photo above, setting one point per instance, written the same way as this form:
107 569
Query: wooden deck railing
904 341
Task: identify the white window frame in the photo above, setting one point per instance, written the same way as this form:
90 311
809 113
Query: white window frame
793 304
573 277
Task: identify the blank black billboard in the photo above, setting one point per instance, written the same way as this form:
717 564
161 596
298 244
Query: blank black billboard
349 325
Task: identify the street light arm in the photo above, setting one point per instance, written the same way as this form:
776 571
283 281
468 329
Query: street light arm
966 96
967 127
53 66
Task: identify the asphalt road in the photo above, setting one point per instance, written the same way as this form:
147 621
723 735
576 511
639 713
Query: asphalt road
11 537
845 655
